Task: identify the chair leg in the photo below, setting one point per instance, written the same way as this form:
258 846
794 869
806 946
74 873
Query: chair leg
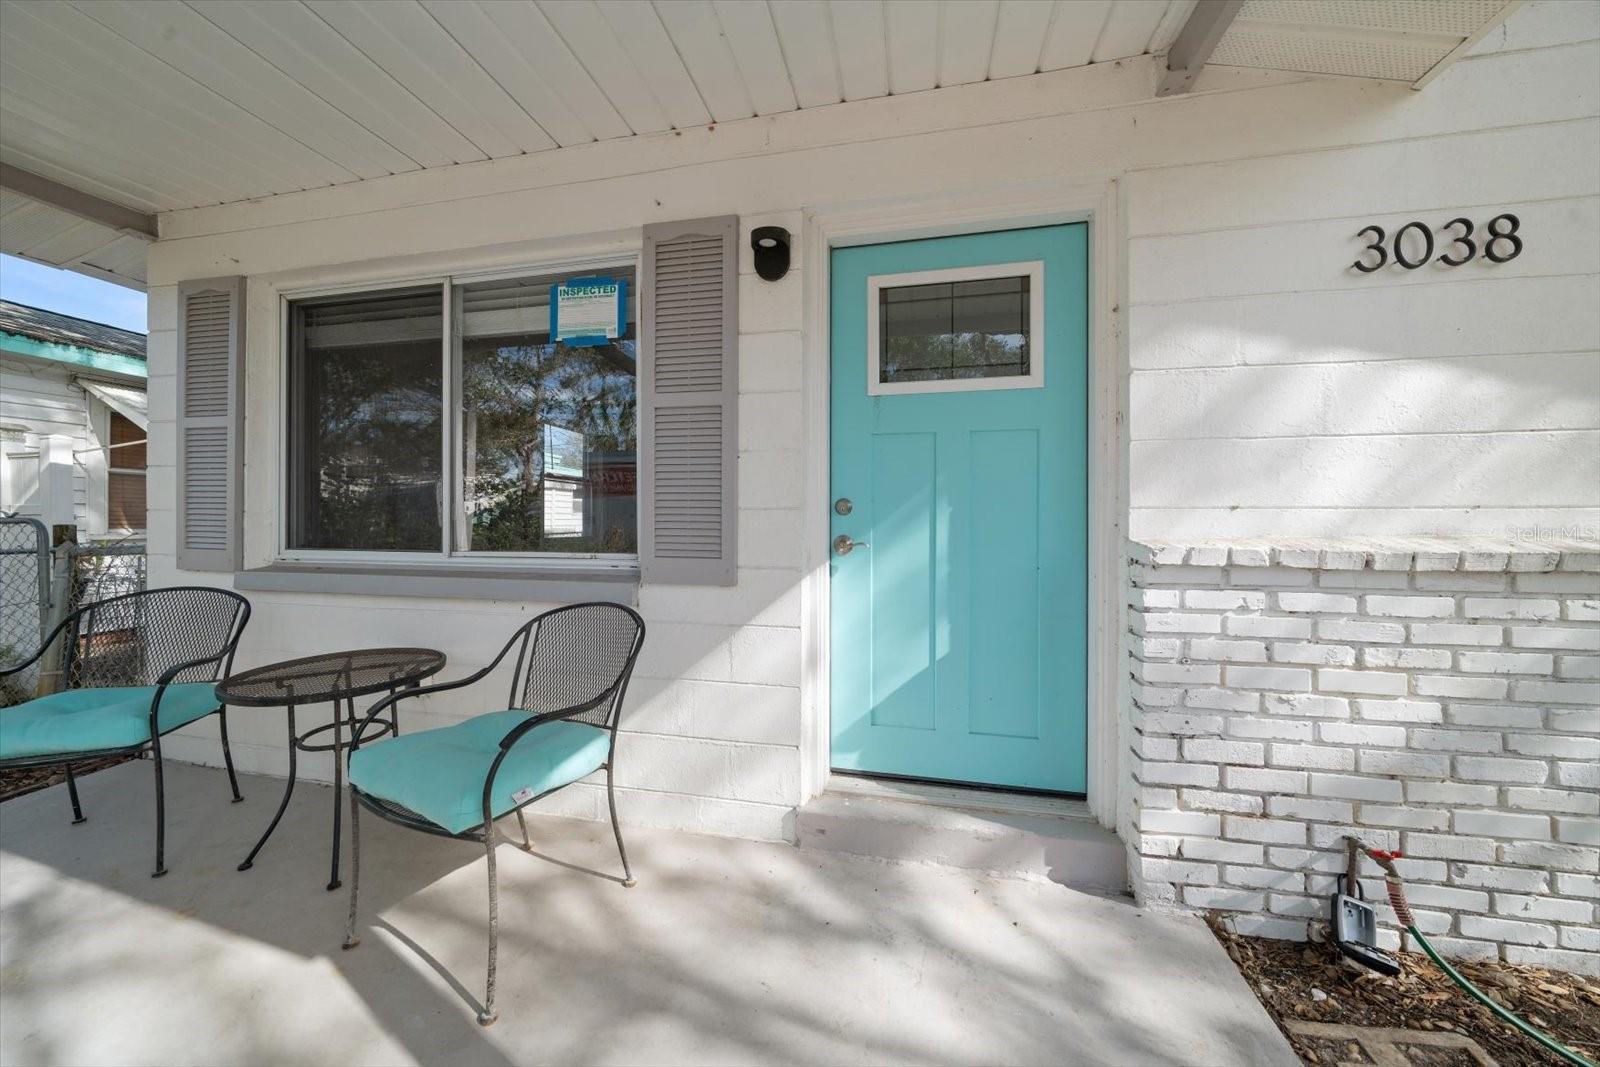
628 881
488 1015
161 812
72 791
350 938
227 755
527 845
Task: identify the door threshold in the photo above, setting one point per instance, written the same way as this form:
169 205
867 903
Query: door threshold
959 797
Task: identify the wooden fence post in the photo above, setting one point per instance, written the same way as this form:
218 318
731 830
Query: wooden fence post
63 539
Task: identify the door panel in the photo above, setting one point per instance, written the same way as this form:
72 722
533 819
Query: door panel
902 639
1003 477
959 623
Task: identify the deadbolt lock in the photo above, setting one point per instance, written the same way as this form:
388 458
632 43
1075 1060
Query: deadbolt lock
842 506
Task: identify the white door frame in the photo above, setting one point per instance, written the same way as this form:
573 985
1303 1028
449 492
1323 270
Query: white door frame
1095 201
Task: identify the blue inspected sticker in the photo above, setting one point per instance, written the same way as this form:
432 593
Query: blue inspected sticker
588 311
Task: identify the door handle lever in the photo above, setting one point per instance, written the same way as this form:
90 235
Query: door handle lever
843 545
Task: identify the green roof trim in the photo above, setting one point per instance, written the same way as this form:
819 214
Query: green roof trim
74 355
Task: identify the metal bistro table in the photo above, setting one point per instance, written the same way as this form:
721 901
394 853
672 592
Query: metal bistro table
338 677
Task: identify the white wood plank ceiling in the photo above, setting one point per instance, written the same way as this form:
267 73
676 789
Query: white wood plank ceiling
167 104
159 105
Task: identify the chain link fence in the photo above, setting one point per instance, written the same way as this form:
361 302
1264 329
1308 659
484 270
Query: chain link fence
38 588
104 569
24 601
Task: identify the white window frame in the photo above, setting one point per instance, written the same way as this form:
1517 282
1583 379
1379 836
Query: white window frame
94 459
1033 270
112 468
448 554
130 471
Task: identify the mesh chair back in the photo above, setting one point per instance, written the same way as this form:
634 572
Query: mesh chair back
137 638
579 655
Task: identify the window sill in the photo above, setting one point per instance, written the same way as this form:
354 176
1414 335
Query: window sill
515 583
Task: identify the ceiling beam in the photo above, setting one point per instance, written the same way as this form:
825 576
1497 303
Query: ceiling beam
1195 42
76 202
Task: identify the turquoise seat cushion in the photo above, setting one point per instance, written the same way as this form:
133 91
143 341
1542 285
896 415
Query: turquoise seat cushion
89 720
439 774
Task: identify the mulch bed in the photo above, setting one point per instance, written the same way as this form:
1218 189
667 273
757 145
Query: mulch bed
1313 982
21 781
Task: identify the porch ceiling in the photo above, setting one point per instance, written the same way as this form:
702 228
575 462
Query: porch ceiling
161 105
1389 40
32 228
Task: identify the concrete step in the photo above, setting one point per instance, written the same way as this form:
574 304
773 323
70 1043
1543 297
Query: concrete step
992 833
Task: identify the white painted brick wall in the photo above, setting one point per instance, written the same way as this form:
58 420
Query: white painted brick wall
1409 693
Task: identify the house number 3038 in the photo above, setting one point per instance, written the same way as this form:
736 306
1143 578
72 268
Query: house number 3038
1499 243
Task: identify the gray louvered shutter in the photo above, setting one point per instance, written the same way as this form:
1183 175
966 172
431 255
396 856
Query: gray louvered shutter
689 439
210 394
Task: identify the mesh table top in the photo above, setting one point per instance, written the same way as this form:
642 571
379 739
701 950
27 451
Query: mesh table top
330 676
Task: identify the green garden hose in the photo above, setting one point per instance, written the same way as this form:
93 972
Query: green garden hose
1402 911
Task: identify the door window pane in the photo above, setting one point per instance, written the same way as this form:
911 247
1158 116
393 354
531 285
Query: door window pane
366 412
952 331
548 431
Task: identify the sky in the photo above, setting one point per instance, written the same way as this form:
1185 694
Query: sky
23 281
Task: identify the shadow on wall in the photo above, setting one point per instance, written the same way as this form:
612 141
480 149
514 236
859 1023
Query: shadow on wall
1357 412
718 664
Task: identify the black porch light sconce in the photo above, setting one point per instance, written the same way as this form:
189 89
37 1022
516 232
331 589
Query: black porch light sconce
771 247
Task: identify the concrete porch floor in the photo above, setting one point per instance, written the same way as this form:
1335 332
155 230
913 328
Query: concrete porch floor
727 952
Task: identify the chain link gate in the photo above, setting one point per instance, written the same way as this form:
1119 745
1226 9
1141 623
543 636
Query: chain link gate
24 601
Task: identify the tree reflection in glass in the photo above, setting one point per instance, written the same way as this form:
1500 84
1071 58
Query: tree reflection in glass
366 422
548 430
947 331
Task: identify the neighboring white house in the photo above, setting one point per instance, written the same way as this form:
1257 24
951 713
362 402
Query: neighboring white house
73 421
1220 446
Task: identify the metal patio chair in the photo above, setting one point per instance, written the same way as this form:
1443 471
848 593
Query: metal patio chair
572 670
134 668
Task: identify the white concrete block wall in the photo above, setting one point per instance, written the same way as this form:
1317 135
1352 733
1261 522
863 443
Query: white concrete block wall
1276 391
1442 698
711 728
1271 389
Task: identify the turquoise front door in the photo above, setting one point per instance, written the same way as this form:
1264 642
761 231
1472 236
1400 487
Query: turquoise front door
959 508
